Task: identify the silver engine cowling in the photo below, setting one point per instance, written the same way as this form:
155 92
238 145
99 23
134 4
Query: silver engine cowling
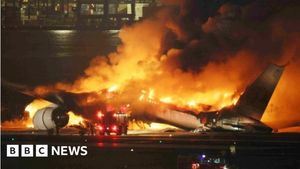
50 118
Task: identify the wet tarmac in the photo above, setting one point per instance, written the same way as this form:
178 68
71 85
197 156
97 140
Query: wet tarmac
161 150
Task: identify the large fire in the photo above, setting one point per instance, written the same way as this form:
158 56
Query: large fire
218 57
34 106
30 111
75 119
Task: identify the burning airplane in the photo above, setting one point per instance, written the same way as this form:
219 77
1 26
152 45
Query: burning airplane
245 115
203 83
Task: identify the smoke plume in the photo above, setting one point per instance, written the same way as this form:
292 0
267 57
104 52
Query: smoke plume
197 53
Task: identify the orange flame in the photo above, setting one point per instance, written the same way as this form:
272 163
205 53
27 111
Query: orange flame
140 71
31 109
34 106
75 119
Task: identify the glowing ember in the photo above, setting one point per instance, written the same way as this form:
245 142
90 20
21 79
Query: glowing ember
17 124
29 125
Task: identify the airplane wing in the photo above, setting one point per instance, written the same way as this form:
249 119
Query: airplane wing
13 102
16 97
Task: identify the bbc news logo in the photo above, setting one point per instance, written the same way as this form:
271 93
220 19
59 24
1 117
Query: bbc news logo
43 150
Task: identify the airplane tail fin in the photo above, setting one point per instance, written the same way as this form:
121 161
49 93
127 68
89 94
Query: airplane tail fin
256 97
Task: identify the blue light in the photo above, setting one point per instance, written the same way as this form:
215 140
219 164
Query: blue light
201 157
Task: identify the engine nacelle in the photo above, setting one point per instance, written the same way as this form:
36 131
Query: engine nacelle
50 118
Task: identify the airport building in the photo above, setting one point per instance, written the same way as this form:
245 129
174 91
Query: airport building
105 14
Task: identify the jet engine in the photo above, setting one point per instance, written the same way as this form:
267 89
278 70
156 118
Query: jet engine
50 118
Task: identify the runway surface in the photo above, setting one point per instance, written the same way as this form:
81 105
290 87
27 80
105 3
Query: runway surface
161 150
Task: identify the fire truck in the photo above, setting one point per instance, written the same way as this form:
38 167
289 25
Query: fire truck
111 122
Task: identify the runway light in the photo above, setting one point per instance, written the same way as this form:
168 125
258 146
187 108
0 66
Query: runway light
62 31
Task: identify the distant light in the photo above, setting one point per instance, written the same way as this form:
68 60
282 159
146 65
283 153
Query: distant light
232 149
225 167
62 31
217 161
203 155
195 166
131 150
113 31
